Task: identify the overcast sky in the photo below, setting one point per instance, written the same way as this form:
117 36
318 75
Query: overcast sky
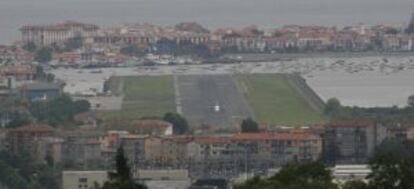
213 13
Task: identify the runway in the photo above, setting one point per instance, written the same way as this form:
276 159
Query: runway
201 94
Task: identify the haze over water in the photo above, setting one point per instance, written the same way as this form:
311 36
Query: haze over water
212 13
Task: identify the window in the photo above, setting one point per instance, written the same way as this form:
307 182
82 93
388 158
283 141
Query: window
83 180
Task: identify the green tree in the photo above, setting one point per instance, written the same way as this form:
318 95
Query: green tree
392 167
10 177
43 76
312 175
50 77
57 111
249 126
18 121
332 108
74 43
81 106
180 124
23 172
258 183
121 178
43 55
355 184
30 46
40 74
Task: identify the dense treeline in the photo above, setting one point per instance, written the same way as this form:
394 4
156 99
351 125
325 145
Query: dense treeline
249 126
57 111
122 177
334 109
23 172
392 168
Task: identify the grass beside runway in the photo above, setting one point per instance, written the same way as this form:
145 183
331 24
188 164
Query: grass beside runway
272 98
144 96
275 101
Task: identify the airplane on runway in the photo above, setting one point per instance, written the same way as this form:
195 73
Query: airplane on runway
216 108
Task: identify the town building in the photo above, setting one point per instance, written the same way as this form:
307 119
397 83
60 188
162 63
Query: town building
40 91
19 72
410 28
134 147
398 131
279 148
163 178
82 147
205 148
152 127
83 179
14 55
249 39
153 149
3 142
112 138
24 139
344 173
398 42
153 179
351 141
174 149
49 148
45 35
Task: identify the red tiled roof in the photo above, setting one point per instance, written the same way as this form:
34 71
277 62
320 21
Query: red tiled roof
33 128
16 69
212 139
132 136
272 136
3 130
60 26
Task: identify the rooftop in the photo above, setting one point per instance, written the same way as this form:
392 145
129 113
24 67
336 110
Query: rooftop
16 69
272 136
33 128
132 136
212 139
351 123
42 86
67 25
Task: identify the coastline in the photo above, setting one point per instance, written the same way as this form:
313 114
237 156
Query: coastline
264 57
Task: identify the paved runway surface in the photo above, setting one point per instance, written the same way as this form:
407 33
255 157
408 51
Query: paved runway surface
201 93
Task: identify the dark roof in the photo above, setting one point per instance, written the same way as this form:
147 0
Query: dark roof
351 123
41 86
35 128
210 184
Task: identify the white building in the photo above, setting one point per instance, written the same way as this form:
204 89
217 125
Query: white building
44 35
344 173
83 179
